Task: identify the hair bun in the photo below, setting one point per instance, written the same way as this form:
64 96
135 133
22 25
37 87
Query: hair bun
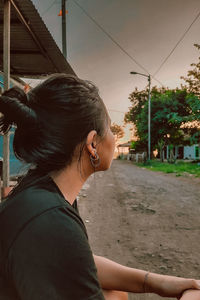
15 110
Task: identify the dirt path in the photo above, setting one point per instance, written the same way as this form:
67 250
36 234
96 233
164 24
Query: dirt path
144 219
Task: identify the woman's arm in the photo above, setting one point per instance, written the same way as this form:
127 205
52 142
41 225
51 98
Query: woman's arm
113 276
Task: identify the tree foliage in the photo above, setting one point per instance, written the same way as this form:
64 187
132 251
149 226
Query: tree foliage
192 84
117 130
170 109
175 113
192 80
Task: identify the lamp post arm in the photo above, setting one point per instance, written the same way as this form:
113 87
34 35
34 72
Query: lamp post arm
135 73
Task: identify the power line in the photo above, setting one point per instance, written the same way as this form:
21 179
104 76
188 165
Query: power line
48 8
122 112
182 37
115 42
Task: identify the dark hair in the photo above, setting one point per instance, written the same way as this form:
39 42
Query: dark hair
52 119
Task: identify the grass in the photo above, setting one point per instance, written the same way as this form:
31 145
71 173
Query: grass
179 168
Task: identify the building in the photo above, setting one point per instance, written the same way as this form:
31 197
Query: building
13 82
191 152
184 152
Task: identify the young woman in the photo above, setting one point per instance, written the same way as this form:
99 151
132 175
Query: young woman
63 132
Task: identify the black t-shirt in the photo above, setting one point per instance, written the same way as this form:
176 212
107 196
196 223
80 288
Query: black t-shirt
44 250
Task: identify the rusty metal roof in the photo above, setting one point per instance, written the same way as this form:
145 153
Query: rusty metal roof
124 145
34 52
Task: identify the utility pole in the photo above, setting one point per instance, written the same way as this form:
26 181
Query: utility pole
6 70
149 119
149 111
64 38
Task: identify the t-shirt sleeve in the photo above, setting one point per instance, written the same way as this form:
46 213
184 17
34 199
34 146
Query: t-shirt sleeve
51 259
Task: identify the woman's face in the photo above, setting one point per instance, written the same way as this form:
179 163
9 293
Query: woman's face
105 150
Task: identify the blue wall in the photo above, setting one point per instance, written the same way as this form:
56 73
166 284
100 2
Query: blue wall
1 81
16 167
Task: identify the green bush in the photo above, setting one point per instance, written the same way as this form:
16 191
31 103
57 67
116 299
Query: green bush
179 168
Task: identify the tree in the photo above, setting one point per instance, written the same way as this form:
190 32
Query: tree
192 84
193 77
169 110
117 130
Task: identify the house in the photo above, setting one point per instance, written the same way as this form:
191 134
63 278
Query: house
184 152
124 148
16 166
13 82
192 152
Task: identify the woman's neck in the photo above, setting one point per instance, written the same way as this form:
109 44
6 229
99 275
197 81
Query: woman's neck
69 181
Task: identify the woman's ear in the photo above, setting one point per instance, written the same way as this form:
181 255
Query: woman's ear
91 142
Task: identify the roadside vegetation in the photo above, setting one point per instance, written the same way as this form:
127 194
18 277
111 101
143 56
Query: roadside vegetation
180 168
175 115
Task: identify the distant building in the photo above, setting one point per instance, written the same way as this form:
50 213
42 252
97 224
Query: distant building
191 152
184 152
124 148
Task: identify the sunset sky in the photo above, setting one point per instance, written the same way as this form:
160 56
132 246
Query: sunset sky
144 31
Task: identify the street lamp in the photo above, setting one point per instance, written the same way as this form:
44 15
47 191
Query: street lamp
149 111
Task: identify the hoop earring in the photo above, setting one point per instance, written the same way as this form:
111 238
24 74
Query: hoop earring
95 160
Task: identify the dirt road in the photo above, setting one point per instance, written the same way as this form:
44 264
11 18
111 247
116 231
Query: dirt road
144 219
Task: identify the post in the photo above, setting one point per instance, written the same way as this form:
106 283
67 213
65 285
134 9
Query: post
6 70
149 111
149 119
64 38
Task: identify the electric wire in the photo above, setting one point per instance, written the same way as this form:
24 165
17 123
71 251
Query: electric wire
173 49
114 110
115 42
48 8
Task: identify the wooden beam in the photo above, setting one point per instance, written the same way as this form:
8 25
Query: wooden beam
23 52
13 22
6 70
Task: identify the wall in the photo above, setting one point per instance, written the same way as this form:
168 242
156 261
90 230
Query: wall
190 152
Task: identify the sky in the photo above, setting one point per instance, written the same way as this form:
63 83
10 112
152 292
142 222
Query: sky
129 31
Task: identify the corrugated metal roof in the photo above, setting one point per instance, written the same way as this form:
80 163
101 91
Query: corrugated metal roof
124 145
34 52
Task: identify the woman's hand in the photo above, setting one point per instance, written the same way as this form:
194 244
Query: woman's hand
191 295
171 286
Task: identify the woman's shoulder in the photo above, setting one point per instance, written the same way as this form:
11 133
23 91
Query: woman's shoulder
41 195
35 200
34 207
29 202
